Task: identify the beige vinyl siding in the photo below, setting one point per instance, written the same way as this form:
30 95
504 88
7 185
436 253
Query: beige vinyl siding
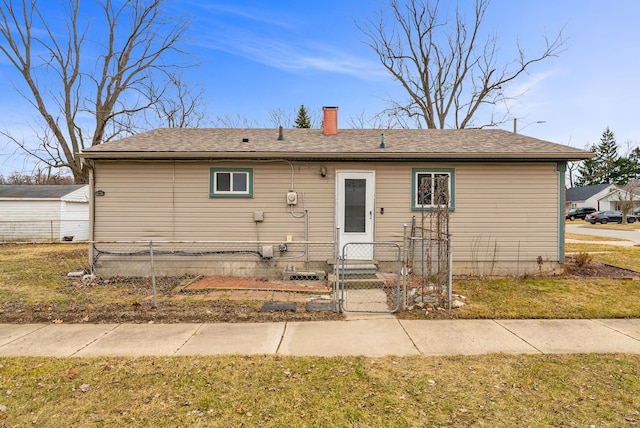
170 201
511 207
508 210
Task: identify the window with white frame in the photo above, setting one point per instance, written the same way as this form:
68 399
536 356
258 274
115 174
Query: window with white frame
432 187
231 182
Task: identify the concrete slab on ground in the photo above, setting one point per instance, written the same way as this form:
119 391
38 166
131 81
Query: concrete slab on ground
571 336
365 300
629 327
464 337
61 340
11 332
245 339
137 340
371 337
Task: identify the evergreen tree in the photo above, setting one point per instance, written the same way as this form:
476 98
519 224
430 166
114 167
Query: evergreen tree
606 166
303 120
588 170
607 157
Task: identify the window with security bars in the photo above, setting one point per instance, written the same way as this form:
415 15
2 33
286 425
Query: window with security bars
432 188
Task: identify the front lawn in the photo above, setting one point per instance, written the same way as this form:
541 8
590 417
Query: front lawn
276 391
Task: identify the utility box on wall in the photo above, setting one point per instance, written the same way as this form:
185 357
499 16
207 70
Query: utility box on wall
292 198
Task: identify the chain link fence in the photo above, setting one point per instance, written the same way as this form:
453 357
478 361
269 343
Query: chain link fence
429 248
290 260
365 286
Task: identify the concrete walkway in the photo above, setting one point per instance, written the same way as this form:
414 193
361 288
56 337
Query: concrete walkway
366 335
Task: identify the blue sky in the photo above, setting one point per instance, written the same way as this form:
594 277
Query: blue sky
255 57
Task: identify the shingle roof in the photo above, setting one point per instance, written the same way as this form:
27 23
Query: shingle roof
349 144
36 191
585 192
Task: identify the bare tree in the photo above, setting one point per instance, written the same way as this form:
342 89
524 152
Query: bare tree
447 71
238 121
572 169
39 177
61 80
382 120
177 104
628 197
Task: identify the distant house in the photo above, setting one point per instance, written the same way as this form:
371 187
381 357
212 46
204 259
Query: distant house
602 197
44 213
505 206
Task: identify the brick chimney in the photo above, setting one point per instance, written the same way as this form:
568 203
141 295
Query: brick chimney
330 122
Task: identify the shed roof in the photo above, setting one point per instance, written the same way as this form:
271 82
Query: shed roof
201 143
37 191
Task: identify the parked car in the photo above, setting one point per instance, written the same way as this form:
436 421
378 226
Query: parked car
604 217
579 213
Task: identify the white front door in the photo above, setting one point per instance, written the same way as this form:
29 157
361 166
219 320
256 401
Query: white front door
354 215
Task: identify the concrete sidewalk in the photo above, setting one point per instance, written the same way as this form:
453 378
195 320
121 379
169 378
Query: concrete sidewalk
373 336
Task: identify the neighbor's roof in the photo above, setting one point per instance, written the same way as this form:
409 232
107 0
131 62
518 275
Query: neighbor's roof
35 191
585 192
198 143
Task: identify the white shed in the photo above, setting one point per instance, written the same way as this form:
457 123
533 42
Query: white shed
44 212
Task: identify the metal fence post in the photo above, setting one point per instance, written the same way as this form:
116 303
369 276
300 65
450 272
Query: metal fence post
153 276
450 276
403 301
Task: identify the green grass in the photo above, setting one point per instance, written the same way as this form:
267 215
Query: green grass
274 391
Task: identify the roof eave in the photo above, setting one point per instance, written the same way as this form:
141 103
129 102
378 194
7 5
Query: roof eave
379 155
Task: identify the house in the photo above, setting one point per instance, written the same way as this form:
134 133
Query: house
602 197
206 193
44 213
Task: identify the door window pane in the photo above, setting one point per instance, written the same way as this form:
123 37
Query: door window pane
355 196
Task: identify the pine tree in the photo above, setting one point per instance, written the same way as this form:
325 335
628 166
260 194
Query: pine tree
303 120
605 167
607 157
588 170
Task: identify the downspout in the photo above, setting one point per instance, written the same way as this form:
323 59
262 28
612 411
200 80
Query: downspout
561 168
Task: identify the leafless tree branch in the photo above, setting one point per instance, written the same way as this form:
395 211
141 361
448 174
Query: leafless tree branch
139 36
449 73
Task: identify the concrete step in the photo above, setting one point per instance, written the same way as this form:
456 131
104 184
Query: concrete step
356 269
362 283
359 282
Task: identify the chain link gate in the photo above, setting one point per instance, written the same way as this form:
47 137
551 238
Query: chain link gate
366 284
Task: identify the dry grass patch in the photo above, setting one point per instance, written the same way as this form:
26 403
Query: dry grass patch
581 237
37 272
270 391
34 288
624 257
509 298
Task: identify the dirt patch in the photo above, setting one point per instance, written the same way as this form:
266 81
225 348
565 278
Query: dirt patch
581 268
175 303
258 284
218 299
